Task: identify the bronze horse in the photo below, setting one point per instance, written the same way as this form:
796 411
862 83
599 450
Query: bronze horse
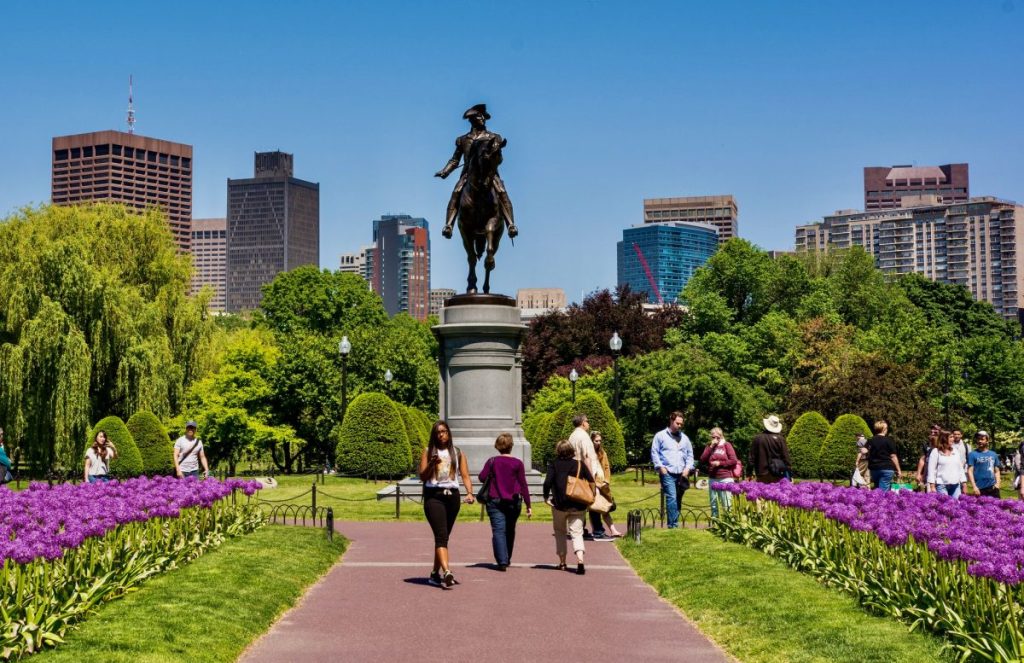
480 220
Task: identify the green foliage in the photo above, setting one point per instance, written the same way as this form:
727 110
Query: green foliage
840 450
805 440
602 418
321 301
154 445
372 441
556 427
129 461
413 430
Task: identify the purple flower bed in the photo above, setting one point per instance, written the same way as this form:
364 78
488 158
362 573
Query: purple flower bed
985 532
43 522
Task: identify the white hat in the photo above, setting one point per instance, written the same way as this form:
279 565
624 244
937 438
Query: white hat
772 424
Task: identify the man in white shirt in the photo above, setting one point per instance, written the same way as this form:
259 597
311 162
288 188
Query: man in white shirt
188 453
584 452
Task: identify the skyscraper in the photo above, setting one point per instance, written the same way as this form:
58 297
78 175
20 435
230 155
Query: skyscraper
399 264
209 257
884 186
114 166
659 258
273 226
720 211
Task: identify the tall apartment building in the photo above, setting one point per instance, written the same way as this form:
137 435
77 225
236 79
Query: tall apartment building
273 226
540 298
399 264
659 258
438 297
114 166
209 257
884 186
973 244
720 211
355 263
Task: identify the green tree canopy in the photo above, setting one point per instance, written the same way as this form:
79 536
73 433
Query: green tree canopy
322 301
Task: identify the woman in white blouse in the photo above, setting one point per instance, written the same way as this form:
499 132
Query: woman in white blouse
945 471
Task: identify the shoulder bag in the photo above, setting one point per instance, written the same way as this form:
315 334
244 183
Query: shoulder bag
484 494
579 490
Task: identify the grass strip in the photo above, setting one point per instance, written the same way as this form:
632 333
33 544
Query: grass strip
209 610
758 609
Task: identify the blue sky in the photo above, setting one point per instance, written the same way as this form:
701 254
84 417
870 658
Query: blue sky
603 104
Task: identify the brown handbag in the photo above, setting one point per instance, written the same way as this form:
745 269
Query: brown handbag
579 490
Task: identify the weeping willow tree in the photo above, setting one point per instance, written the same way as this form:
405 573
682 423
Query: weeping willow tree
95 320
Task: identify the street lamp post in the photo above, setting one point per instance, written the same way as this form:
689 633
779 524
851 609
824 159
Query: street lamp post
615 343
344 347
573 376
388 377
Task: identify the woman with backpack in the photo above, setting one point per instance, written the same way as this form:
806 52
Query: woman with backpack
769 454
441 466
720 457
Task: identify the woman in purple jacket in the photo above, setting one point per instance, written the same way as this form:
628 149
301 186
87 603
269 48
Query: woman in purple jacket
505 496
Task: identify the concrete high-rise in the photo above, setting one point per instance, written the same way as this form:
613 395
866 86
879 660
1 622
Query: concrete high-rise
113 166
973 244
720 211
355 263
884 186
399 264
438 296
209 257
659 258
273 226
541 298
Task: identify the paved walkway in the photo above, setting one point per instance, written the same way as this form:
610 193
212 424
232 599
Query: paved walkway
377 606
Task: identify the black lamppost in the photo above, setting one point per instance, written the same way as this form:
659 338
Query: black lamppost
388 377
344 347
615 343
573 376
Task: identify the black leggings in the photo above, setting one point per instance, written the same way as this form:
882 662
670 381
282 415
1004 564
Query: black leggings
441 511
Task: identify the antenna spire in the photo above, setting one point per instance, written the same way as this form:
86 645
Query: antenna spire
131 107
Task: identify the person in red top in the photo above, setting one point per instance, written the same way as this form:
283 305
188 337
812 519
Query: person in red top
505 496
721 460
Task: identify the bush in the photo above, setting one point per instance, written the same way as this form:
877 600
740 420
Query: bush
603 419
806 440
414 431
558 426
129 461
534 426
424 423
155 448
372 441
839 452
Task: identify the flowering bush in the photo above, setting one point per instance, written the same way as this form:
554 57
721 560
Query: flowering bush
954 567
66 549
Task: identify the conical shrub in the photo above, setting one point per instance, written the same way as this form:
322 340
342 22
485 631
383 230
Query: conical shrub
128 463
155 448
373 441
601 418
806 439
839 453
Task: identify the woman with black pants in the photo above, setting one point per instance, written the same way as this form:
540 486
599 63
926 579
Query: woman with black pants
441 465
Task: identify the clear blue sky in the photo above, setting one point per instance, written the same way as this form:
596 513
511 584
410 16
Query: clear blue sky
603 104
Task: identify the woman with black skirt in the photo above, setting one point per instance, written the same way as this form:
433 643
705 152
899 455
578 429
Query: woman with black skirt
441 465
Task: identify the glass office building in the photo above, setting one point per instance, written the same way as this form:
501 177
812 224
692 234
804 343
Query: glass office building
672 251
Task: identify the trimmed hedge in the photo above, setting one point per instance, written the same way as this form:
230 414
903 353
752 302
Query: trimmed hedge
413 430
372 441
806 439
557 427
603 419
129 461
154 446
534 428
839 452
424 422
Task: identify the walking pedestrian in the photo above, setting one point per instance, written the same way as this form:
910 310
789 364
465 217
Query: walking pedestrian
189 453
922 461
605 487
861 473
769 454
983 467
566 514
961 447
720 456
583 450
442 464
98 457
506 492
945 473
883 461
672 457
5 462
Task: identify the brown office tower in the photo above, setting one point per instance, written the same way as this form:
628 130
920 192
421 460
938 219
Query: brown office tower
125 168
273 226
884 186
209 257
719 211
399 264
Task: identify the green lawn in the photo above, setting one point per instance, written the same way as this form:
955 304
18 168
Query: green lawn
760 610
210 609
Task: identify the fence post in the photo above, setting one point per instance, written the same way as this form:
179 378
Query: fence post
314 496
398 500
330 523
661 509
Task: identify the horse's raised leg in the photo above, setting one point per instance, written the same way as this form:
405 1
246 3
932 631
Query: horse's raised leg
493 238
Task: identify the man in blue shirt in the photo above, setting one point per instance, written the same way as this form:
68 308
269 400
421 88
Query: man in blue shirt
983 467
672 456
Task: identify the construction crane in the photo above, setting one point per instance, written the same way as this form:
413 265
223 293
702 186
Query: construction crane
647 270
131 106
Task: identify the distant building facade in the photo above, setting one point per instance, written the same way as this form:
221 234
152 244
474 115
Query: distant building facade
399 264
719 211
209 257
659 258
355 263
973 244
438 297
273 226
884 186
542 298
118 167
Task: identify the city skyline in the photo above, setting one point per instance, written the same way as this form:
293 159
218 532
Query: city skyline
783 108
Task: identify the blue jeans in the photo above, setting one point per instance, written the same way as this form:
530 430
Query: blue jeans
951 489
882 478
673 497
193 473
93 478
719 497
503 516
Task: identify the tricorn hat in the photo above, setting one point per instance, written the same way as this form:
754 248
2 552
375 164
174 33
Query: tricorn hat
479 109
772 424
